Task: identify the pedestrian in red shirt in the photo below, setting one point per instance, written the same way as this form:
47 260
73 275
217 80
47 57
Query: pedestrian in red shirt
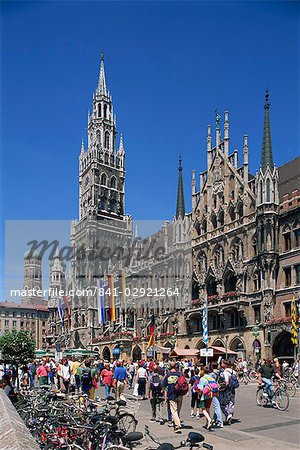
107 379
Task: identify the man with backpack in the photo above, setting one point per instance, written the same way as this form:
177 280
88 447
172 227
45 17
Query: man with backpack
217 419
88 379
175 386
229 383
155 393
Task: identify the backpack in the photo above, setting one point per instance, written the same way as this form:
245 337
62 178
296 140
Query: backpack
195 387
211 389
181 387
86 379
156 385
233 382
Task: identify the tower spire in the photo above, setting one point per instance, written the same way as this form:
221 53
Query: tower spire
267 154
102 82
180 209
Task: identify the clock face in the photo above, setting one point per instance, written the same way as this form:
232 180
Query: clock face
87 181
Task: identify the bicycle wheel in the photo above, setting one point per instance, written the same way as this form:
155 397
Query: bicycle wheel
291 389
127 422
252 375
281 399
261 400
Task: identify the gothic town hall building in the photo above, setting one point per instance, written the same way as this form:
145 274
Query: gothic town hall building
239 249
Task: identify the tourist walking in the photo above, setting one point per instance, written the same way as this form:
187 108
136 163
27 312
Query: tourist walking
194 393
120 379
155 393
205 395
107 378
42 373
228 385
217 418
88 379
141 379
175 388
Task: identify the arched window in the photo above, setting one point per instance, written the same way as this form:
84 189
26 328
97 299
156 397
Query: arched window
240 210
230 282
106 141
268 191
113 182
214 220
104 179
99 109
202 262
111 160
106 158
105 111
204 226
232 213
221 218
211 287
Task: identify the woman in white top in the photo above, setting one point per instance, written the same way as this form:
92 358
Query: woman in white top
65 374
141 379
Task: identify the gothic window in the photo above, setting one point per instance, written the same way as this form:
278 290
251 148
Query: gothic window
268 191
198 228
237 249
240 210
113 182
105 111
221 218
215 201
113 205
287 277
204 225
230 282
297 235
104 179
211 287
106 141
214 220
202 262
106 158
232 213
111 160
99 109
219 256
261 192
287 238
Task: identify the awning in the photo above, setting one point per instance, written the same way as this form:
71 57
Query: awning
185 352
222 351
163 350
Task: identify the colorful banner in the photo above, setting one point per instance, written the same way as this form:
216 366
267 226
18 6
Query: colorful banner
60 311
101 308
112 308
294 317
152 327
204 323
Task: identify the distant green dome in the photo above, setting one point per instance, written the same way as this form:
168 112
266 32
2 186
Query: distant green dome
35 255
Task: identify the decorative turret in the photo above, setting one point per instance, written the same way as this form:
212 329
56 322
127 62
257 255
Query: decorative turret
267 154
180 208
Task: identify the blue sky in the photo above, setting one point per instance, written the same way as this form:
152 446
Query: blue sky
168 66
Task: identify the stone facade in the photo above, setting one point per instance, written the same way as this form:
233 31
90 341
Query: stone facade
238 249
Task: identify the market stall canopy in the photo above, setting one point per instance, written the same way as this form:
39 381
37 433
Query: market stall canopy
222 351
163 350
191 352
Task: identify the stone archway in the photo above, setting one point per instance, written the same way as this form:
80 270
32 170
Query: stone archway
282 346
237 345
187 347
106 354
137 353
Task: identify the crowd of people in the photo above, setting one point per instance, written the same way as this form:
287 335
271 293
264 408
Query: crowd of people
210 389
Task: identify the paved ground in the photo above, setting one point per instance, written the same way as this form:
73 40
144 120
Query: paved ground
254 427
